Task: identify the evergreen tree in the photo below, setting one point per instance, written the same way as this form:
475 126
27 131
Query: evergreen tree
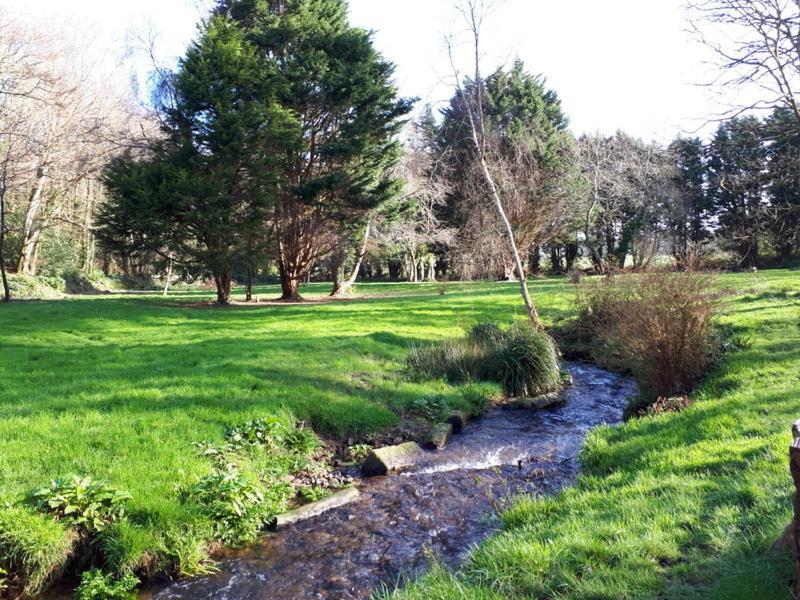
346 117
782 135
203 191
736 164
688 215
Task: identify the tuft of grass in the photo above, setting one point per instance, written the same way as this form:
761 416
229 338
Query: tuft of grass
33 547
523 359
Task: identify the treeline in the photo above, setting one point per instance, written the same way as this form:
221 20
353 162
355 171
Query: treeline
60 122
279 147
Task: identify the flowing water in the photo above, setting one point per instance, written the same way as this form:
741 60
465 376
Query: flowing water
442 508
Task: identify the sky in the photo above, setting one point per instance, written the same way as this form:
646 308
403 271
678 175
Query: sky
616 64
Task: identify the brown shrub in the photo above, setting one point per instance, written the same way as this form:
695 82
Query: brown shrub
658 325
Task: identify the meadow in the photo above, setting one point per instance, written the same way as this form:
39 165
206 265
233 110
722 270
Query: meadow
685 505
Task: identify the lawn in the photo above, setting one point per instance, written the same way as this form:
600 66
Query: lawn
119 387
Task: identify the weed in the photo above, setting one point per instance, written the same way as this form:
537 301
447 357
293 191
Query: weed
96 585
82 502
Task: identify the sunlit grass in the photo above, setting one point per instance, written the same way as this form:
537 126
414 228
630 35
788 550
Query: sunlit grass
681 506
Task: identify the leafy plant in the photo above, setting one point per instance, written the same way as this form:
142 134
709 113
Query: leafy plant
3 579
96 585
269 431
358 452
80 501
433 408
312 494
301 440
238 507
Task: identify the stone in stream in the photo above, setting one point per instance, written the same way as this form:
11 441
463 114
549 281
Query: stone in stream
340 498
381 461
439 436
538 402
458 419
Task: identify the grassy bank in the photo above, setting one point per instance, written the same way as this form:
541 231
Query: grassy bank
680 506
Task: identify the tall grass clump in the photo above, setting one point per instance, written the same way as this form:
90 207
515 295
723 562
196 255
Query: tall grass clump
660 326
522 358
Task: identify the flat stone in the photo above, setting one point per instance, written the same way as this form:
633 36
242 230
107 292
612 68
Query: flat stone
538 402
340 498
439 436
381 461
458 419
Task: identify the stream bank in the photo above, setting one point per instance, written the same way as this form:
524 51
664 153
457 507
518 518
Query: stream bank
445 505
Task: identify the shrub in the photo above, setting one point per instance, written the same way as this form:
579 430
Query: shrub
34 548
451 359
269 431
96 585
658 325
523 359
78 282
86 504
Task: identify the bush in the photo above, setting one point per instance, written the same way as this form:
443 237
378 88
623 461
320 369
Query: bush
86 504
658 325
34 548
523 359
78 282
96 585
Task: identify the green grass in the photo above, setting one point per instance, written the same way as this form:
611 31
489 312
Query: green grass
119 387
681 506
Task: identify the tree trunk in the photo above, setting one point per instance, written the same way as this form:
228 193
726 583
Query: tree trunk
345 286
87 238
535 259
248 289
223 283
6 287
168 277
290 286
30 233
432 267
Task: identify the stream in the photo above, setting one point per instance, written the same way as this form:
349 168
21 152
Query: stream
443 507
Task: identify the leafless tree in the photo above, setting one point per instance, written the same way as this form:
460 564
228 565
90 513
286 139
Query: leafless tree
757 43
627 182
474 13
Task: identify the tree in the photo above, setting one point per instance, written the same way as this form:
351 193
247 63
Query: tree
627 185
781 134
756 42
736 163
346 116
204 189
687 217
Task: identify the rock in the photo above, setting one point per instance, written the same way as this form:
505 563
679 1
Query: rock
458 419
537 402
439 436
341 498
391 458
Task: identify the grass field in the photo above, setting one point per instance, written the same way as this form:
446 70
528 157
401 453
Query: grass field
120 386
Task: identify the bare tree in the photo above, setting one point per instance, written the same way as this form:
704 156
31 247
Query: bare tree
474 12
757 43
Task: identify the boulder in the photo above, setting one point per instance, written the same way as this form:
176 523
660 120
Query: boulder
391 458
438 436
340 498
458 419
